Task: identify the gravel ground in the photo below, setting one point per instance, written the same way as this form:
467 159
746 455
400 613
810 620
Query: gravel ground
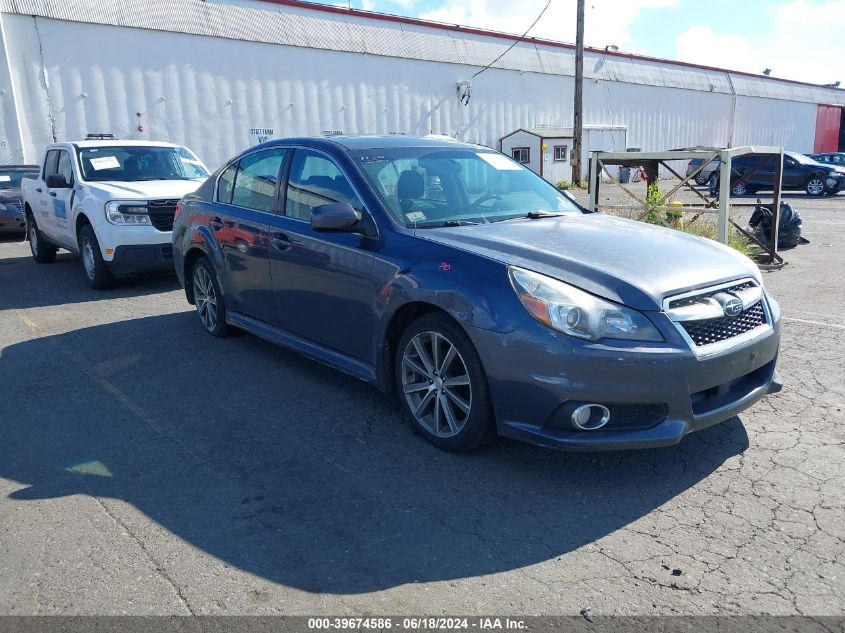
146 468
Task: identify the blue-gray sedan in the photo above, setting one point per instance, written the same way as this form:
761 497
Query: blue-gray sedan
488 300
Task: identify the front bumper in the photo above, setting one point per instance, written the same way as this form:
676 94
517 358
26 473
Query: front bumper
657 393
131 260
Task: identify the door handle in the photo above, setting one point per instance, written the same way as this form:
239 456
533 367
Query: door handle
281 241
53 193
215 224
38 190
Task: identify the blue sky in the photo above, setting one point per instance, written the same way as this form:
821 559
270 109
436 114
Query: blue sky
797 39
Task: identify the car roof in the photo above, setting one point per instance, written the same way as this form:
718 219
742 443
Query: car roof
364 142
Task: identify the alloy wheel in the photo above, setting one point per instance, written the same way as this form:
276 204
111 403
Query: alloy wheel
436 384
205 298
815 187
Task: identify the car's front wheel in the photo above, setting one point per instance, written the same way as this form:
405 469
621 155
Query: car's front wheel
442 386
208 299
701 179
97 272
815 186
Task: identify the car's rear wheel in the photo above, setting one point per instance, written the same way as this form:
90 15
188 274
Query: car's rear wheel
42 251
815 186
442 385
208 299
701 179
97 272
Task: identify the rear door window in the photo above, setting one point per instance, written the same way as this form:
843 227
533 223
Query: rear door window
226 184
50 163
257 180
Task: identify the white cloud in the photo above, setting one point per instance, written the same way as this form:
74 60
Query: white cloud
804 43
606 21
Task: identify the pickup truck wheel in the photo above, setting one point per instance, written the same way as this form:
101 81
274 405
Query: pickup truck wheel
97 272
42 251
208 298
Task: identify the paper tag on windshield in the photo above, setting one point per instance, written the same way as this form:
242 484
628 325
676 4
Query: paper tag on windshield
5 178
499 161
190 161
105 162
416 216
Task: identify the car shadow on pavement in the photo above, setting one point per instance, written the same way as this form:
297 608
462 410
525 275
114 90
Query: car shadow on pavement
63 282
301 475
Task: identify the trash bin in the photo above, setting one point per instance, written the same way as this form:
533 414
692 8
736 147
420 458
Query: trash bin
624 175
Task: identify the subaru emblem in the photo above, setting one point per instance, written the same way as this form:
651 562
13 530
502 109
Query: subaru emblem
731 304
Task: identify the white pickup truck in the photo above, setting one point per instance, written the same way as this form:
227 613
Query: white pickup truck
111 202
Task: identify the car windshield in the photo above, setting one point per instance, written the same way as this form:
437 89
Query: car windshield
426 187
800 158
139 162
11 178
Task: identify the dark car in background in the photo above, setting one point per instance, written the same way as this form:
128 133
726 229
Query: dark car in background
12 218
488 300
799 173
829 158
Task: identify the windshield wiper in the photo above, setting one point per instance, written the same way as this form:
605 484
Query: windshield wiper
531 215
536 215
459 222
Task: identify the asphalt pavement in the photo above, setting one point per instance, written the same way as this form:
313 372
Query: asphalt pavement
147 468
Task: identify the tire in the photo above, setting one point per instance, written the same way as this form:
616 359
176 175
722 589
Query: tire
815 186
739 189
97 272
701 179
208 298
450 405
42 251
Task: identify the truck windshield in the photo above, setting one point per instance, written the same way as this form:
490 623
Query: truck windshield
429 187
134 163
11 178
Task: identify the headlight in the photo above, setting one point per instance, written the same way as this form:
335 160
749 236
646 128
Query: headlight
118 212
577 313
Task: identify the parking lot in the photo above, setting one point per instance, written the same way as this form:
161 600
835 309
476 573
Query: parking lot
146 467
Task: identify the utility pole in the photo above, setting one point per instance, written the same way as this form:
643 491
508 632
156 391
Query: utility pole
579 94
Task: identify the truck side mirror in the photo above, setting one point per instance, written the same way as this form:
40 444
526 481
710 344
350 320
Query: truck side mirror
57 181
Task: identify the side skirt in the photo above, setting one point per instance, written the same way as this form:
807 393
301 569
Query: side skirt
321 354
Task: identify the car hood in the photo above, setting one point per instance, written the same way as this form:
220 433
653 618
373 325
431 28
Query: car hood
147 189
626 261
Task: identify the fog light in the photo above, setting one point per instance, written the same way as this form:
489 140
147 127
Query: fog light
590 417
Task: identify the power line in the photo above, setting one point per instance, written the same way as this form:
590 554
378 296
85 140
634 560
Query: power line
515 42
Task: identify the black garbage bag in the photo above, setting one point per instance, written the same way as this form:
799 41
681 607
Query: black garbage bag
789 225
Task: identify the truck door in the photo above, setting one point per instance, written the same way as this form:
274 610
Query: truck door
43 209
59 201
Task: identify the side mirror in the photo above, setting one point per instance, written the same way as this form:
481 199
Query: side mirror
336 216
57 181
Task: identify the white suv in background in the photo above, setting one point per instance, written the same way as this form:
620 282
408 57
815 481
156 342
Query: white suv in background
110 201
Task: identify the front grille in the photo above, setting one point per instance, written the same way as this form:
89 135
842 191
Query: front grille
688 301
708 331
14 204
161 213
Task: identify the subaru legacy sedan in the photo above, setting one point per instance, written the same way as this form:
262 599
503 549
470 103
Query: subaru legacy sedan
489 301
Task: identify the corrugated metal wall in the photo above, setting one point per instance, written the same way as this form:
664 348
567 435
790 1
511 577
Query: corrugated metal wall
312 71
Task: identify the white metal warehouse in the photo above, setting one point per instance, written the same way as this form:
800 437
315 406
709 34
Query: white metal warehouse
221 75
